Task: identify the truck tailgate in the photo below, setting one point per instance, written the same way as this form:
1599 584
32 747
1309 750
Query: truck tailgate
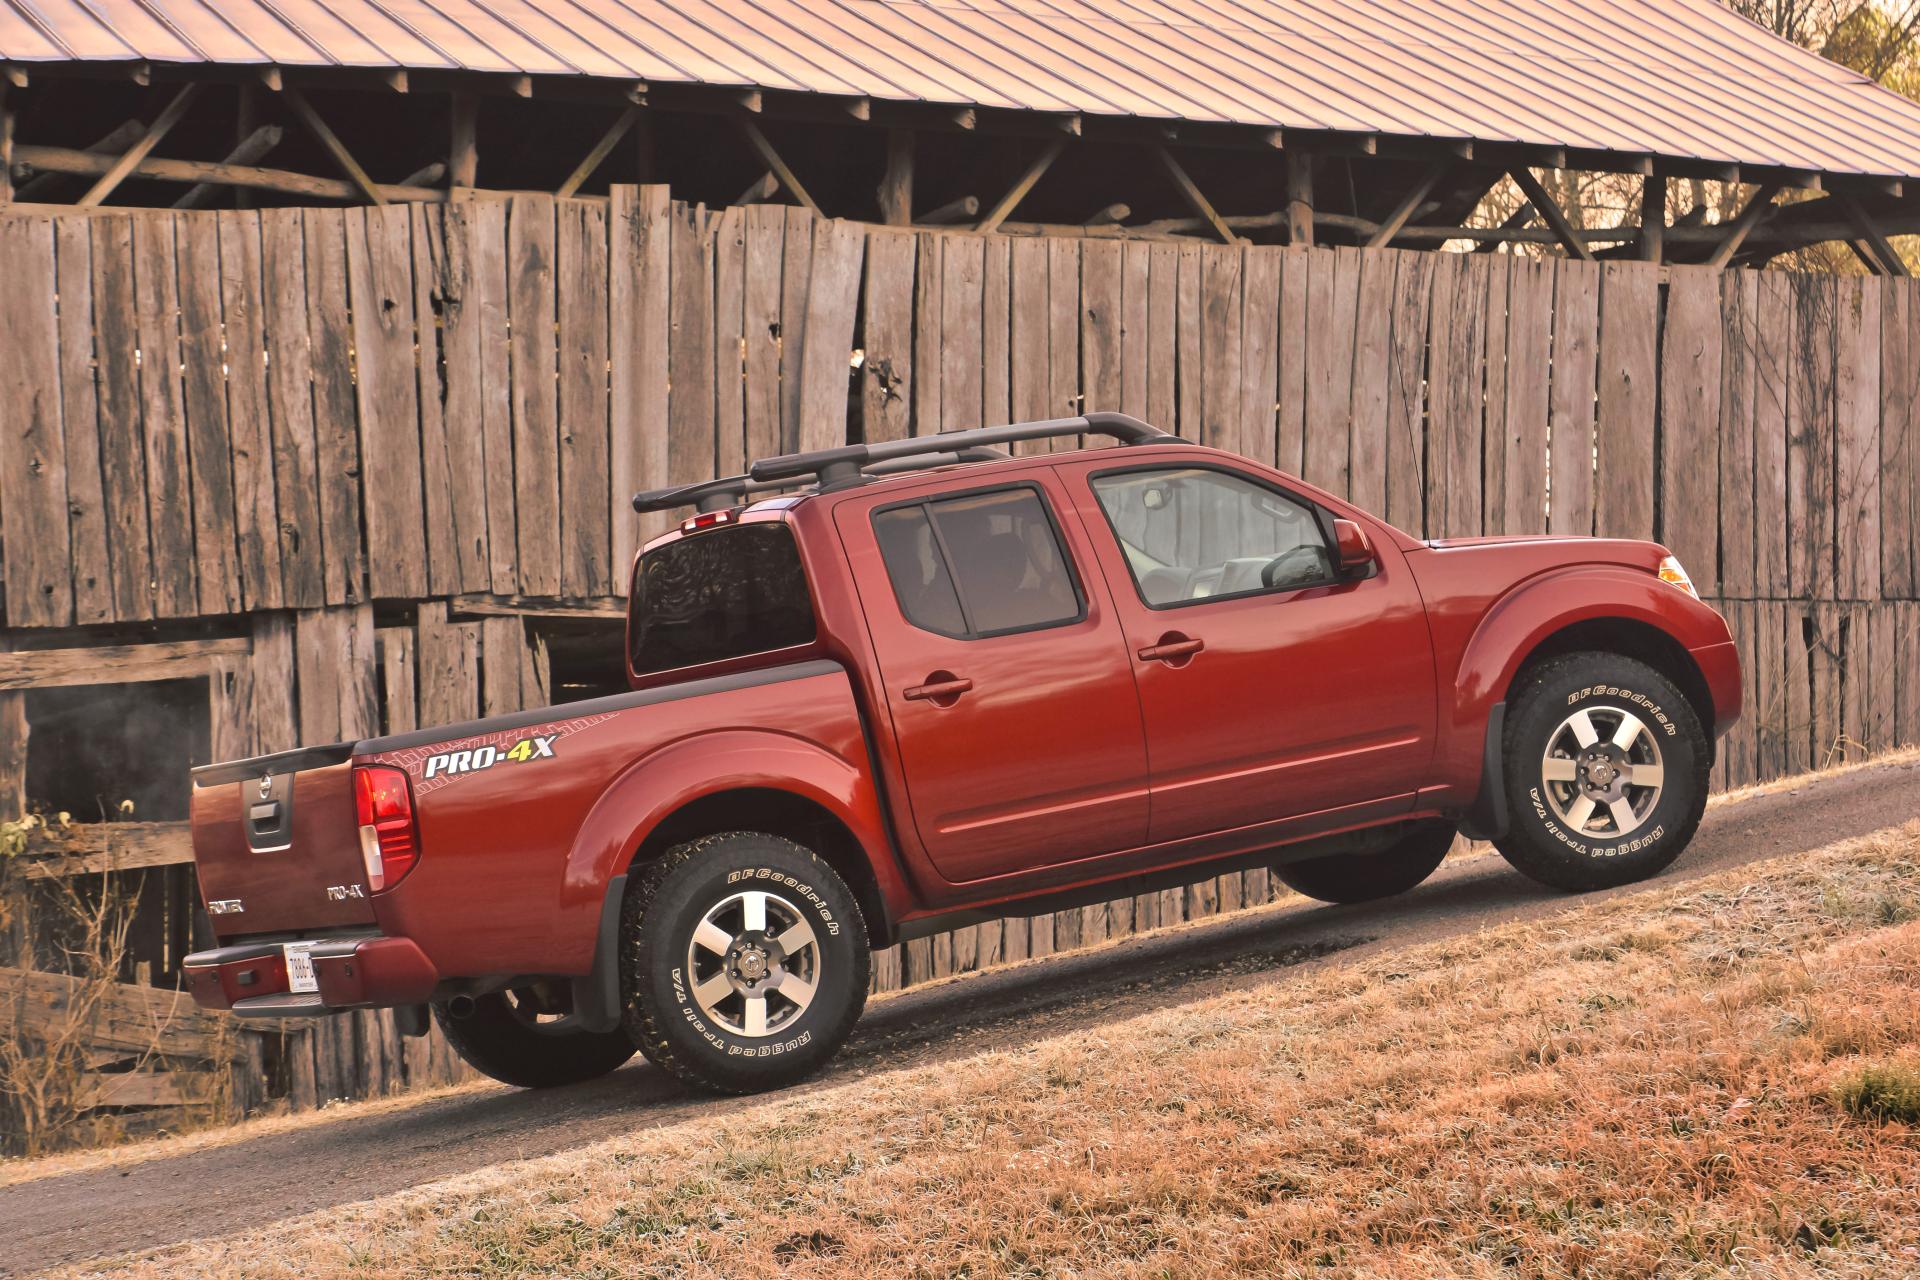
277 844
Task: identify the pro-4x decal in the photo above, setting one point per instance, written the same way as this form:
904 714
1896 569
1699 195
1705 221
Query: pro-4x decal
442 763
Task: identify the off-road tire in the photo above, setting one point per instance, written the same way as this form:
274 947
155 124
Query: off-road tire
1365 877
670 899
1540 842
496 1043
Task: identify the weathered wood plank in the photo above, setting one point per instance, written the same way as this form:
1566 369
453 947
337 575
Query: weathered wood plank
399 687
833 296
452 457
336 433
33 447
447 657
1810 443
1163 295
1881 728
1689 423
1899 372
729 342
996 334
886 372
48 1006
1405 503
690 349
1494 434
156 301
1456 353
335 652
1372 379
1739 294
1221 307
242 313
1259 350
586 539
1856 463
296 464
761 321
1102 316
1628 398
962 259
640 279
796 270
204 401
536 439
80 420
165 660
1796 725
1189 367
1576 323
1063 333
1027 372
1523 507
1333 287
387 394
90 848
123 470
275 711
1772 332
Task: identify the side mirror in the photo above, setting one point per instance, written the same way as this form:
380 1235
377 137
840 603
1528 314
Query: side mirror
1356 550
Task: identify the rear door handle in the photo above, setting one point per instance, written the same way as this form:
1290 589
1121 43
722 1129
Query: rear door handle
937 690
1172 648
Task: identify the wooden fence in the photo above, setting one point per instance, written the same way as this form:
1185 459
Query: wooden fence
265 423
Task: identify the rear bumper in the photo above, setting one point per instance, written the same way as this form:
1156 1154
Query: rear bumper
353 973
1720 666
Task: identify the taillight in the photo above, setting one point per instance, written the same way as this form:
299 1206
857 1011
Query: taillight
389 844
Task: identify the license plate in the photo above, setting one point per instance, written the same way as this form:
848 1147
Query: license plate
300 974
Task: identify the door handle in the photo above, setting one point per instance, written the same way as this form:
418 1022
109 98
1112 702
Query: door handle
943 691
1172 647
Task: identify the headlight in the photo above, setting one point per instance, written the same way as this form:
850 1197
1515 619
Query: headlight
1670 571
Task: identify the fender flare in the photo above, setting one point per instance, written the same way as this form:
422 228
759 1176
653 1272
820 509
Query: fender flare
661 783
1515 626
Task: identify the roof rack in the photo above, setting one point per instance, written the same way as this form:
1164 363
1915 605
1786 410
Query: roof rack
853 464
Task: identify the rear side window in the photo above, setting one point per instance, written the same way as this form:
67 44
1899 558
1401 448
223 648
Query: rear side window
717 595
981 564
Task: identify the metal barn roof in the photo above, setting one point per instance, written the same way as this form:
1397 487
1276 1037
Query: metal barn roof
1675 78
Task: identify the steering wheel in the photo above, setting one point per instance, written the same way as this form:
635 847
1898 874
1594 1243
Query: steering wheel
1297 567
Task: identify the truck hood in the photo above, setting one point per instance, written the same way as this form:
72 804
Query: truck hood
1568 548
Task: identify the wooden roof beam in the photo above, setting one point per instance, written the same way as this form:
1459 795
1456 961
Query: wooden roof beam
1551 212
775 163
1742 226
250 150
330 143
600 151
130 160
1409 204
14 74
1195 198
1018 192
1883 259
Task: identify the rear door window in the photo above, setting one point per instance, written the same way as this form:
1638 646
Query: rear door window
723 594
979 564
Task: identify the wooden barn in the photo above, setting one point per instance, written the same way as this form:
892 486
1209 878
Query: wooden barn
334 339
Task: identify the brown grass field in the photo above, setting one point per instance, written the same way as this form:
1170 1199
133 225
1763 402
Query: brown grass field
1720 1079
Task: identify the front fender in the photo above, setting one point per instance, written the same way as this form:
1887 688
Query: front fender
1519 622
664 781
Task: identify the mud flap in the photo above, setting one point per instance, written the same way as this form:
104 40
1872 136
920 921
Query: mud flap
1487 818
596 997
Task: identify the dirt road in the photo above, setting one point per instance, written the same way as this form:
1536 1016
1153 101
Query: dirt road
259 1180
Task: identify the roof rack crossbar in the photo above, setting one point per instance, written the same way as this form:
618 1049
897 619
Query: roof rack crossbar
1121 427
733 491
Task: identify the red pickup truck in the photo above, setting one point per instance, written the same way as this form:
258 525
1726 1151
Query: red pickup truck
883 690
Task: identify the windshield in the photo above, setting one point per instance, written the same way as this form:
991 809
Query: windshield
721 594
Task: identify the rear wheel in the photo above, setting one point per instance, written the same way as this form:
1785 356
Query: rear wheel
1364 877
746 962
521 1037
1606 772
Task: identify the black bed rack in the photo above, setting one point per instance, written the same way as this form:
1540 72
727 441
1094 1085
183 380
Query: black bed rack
853 464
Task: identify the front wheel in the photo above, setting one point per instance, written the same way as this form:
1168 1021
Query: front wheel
1606 772
1367 877
746 962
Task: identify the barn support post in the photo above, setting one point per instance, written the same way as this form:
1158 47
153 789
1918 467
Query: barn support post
1299 197
463 150
896 185
1653 216
775 163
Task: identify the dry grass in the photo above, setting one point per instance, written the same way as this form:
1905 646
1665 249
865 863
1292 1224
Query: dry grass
1653 1086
